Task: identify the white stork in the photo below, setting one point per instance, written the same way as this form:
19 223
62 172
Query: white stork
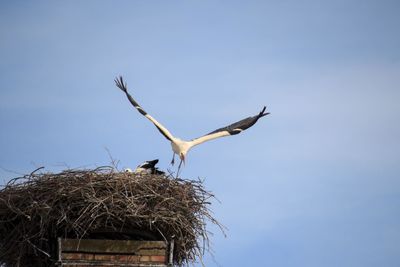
148 167
182 147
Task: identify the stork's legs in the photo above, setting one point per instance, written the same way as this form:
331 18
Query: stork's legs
173 159
180 164
179 168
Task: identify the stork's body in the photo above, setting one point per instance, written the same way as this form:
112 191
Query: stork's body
182 147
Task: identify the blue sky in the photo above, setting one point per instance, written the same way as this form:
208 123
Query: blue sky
316 183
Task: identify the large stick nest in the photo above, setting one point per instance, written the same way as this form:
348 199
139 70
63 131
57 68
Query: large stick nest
103 203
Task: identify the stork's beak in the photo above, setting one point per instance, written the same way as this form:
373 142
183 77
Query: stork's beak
182 158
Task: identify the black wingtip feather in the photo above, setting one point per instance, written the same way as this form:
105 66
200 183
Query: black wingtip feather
262 114
119 82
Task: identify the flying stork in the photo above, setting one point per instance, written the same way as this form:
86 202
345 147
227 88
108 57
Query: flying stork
182 147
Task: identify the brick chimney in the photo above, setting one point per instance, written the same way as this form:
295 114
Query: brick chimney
112 253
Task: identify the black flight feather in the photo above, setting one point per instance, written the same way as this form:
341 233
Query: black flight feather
241 125
119 82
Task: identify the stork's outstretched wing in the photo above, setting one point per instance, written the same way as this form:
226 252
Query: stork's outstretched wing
232 129
119 82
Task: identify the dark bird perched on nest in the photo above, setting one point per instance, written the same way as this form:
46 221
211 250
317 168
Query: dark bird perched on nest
148 167
182 147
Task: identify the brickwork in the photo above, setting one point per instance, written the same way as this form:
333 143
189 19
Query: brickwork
101 253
